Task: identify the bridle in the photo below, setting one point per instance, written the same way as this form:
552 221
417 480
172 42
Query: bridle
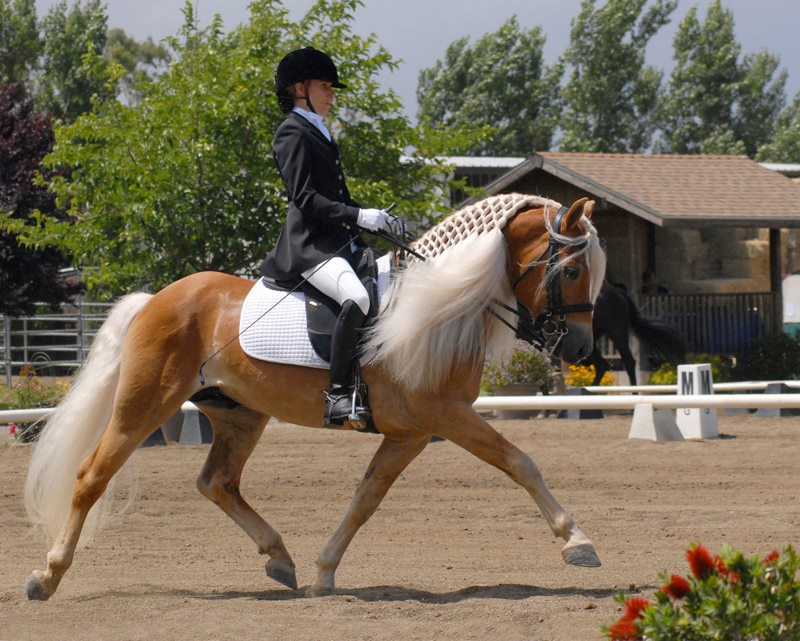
549 328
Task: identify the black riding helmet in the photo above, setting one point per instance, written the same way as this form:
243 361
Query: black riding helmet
301 65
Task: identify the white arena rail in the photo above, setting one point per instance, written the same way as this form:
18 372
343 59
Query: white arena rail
25 416
629 402
744 386
626 402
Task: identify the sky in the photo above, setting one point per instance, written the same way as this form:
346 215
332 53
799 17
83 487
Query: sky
418 31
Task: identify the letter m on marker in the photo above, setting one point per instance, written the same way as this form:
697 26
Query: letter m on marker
687 383
705 382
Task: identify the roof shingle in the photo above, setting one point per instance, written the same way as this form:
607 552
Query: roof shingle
669 189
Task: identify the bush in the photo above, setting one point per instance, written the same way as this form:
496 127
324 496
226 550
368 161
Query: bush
774 357
32 392
726 598
582 376
721 369
527 366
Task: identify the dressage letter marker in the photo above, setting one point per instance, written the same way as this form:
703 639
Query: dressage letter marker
696 422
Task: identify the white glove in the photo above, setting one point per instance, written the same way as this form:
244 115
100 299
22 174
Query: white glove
373 219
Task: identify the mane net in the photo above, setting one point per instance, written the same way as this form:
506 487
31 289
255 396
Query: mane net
486 215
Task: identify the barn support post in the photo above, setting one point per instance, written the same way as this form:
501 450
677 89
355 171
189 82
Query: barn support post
7 349
776 278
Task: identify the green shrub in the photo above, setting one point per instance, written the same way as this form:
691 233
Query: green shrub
726 598
721 369
527 366
32 392
774 357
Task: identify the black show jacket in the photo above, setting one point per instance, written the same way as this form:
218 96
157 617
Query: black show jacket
322 217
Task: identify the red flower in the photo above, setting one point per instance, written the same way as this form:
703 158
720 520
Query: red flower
677 588
700 561
720 565
773 556
634 607
624 630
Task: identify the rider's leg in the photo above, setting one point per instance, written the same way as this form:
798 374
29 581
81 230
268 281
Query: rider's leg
337 280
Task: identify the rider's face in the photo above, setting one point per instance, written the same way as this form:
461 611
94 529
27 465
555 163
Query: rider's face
320 93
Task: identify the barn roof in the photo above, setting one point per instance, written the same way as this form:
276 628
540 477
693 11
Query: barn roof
669 189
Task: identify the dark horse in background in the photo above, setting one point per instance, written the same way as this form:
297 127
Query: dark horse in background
615 315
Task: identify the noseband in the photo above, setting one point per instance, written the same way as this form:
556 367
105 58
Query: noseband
547 330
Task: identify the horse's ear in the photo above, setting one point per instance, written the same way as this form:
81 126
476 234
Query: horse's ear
588 208
574 214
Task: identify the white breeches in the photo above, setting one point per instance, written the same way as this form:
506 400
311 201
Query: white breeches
337 280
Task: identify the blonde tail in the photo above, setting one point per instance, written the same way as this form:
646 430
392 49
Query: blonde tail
76 426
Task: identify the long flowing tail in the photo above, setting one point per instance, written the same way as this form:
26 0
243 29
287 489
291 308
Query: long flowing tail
76 426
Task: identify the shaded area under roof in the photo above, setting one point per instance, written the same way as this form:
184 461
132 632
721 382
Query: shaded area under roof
673 189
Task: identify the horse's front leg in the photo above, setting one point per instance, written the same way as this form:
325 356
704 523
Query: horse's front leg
468 430
389 461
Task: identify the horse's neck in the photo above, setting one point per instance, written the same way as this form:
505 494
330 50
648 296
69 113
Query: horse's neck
484 216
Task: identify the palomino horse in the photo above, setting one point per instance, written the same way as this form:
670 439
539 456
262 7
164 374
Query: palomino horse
426 353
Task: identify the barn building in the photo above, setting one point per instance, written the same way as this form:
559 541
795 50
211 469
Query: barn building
715 230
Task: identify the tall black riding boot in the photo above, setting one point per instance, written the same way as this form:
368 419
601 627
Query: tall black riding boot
344 344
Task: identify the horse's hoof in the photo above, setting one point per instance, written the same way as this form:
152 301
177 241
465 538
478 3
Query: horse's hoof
317 590
583 556
282 572
35 589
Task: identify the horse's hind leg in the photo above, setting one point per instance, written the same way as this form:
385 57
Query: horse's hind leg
601 365
130 425
468 430
389 461
629 362
236 432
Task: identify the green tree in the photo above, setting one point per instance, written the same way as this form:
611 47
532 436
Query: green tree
20 45
611 96
785 145
65 88
760 98
500 82
142 61
185 181
716 103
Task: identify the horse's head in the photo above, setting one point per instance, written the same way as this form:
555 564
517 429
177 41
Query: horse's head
556 269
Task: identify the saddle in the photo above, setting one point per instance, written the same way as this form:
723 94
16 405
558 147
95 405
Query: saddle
322 311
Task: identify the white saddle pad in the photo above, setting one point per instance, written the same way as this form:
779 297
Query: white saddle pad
281 335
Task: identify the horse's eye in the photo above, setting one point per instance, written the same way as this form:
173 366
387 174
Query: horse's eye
573 273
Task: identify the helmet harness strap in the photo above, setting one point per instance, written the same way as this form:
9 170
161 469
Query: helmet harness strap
306 86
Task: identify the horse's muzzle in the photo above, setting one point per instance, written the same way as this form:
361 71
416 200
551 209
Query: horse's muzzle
578 343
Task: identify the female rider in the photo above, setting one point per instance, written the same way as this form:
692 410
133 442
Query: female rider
320 237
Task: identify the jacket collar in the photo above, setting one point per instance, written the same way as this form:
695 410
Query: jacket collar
298 118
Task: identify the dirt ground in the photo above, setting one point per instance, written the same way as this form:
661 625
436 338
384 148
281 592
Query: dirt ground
456 551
